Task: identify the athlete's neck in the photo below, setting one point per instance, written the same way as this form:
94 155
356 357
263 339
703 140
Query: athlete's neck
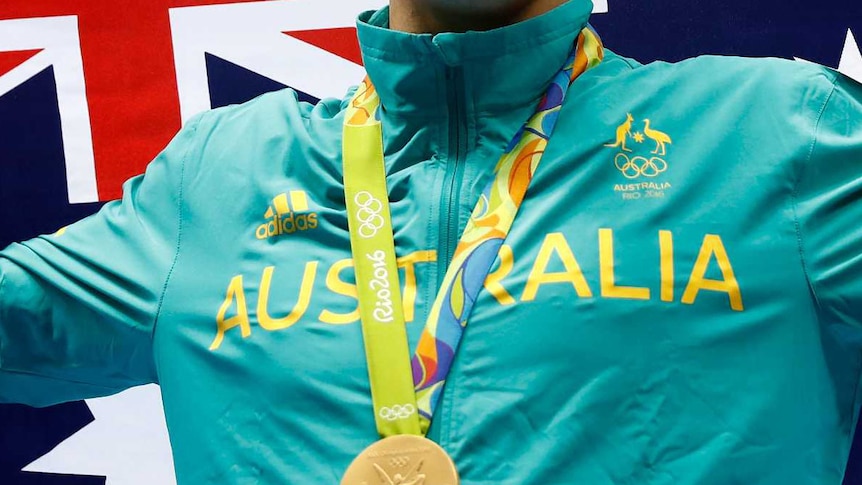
432 17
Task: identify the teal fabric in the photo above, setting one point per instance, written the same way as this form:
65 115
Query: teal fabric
681 309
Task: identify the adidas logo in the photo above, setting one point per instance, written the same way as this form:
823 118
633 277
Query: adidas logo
287 214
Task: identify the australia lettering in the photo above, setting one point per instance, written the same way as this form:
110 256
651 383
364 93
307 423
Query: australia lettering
554 265
642 186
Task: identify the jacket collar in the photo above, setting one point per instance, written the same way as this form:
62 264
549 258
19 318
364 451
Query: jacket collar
493 71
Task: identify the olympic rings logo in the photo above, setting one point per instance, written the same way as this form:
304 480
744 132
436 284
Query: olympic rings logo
397 411
638 166
368 214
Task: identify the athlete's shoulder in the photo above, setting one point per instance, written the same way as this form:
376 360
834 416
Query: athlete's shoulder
273 122
237 147
768 75
278 109
763 72
772 89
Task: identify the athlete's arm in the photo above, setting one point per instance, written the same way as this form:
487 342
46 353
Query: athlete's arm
78 308
828 207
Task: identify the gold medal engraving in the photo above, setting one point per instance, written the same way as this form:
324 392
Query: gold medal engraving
402 460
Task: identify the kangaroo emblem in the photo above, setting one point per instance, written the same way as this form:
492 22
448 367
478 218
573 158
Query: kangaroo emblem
658 137
635 163
623 131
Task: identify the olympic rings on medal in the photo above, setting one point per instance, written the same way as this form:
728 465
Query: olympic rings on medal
399 461
368 214
397 411
634 167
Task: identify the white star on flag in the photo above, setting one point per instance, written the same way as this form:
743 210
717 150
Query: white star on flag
851 58
600 6
127 443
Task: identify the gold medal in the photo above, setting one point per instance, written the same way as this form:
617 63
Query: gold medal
402 460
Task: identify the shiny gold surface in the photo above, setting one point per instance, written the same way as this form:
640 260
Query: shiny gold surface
402 460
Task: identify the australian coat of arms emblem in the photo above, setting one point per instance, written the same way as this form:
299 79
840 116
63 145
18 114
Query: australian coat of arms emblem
632 165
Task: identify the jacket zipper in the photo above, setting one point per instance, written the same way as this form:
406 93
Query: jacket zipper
450 198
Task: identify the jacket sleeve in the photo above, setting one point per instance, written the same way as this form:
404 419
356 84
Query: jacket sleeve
78 308
829 205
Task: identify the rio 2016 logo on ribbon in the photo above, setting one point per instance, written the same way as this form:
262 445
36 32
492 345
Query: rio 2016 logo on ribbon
383 310
368 214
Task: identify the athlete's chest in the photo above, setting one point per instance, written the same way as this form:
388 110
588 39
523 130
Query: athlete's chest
643 203
643 215
637 243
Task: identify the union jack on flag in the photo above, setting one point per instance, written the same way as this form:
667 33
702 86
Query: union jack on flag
126 73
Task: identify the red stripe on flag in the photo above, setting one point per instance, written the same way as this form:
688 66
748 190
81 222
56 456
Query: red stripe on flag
127 51
341 41
12 59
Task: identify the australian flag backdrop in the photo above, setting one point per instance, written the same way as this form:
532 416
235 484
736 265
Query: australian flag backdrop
91 90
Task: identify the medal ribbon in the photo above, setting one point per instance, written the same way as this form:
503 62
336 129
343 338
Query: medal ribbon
374 249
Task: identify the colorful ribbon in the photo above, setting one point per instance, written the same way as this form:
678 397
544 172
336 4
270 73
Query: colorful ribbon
488 226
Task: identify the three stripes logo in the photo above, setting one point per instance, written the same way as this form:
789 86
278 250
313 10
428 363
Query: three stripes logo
288 213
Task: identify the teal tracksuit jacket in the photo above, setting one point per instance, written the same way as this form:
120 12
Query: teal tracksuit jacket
679 301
